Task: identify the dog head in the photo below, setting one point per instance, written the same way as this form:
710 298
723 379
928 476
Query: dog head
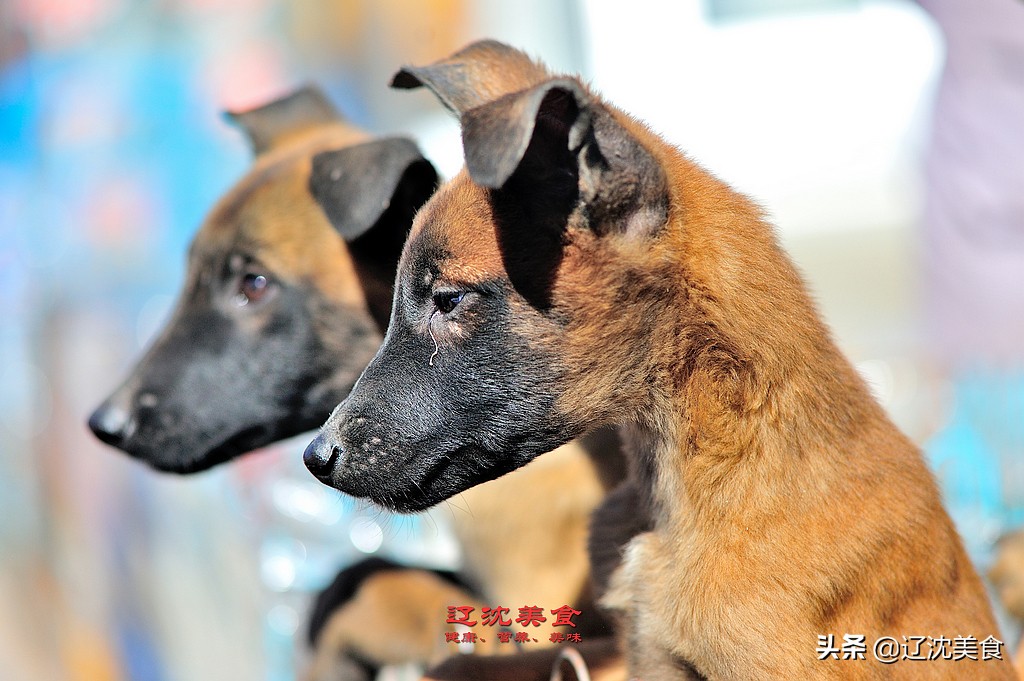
279 311
526 292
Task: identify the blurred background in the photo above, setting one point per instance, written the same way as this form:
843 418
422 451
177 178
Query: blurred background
883 137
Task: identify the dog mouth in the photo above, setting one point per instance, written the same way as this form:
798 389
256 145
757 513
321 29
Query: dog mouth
240 443
444 477
418 494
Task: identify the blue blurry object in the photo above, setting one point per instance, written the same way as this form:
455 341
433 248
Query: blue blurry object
19 117
979 458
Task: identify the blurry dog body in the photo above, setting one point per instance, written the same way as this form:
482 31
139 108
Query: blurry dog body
582 272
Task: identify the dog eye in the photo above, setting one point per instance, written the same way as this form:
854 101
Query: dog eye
446 301
252 289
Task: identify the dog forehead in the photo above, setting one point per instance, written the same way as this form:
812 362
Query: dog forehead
267 206
455 233
270 215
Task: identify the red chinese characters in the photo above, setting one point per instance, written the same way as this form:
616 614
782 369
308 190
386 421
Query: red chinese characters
563 616
500 616
465 611
496 616
531 614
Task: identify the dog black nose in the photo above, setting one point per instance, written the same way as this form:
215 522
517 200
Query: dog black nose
109 423
321 456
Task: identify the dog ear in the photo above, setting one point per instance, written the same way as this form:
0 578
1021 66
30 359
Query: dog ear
478 73
356 185
496 135
266 125
370 193
558 132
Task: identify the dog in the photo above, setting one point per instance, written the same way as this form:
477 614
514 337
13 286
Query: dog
506 560
285 301
581 272
275 321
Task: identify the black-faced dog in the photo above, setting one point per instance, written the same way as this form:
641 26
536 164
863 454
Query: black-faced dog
278 315
583 272
285 302
523 541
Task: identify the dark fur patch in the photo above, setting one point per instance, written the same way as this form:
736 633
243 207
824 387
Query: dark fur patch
377 251
689 669
613 524
831 608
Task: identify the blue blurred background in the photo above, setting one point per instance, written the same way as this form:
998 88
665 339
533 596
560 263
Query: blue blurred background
883 137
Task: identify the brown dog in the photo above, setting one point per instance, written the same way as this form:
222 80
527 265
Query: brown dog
278 316
523 540
270 286
583 272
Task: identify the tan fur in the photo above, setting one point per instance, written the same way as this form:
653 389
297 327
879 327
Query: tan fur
468 204
1007 576
784 504
774 475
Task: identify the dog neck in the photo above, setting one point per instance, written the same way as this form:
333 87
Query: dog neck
756 401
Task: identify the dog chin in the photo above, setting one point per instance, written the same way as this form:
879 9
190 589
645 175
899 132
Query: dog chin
401 503
413 498
188 463
439 482
185 467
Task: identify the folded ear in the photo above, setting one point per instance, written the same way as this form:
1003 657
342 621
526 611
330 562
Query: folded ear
557 132
266 125
476 74
496 135
356 185
370 193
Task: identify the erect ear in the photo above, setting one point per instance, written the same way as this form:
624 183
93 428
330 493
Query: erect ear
478 73
266 125
356 185
559 131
